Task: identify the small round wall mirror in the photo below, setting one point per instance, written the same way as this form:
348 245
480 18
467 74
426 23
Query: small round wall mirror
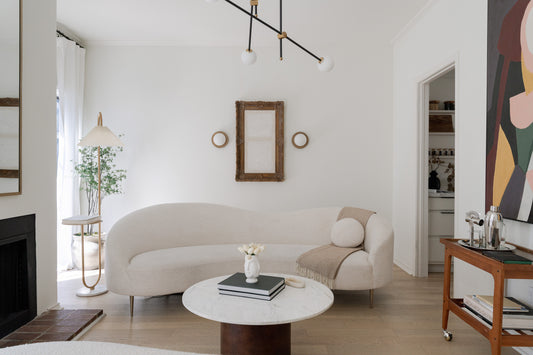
300 140
219 139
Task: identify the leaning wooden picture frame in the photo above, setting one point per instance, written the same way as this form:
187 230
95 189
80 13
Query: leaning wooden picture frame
259 142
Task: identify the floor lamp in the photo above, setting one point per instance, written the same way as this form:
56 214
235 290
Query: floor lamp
99 136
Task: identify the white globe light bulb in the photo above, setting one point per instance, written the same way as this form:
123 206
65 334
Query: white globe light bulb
326 64
248 57
300 140
219 139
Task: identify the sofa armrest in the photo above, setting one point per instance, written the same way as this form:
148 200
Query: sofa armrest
144 230
379 243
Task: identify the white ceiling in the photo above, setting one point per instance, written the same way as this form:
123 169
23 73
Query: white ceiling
196 22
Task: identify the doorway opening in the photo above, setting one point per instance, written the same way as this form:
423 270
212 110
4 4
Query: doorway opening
436 168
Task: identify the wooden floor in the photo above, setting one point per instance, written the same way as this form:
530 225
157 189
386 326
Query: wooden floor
406 319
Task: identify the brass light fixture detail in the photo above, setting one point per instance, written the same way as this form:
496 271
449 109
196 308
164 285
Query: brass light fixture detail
249 56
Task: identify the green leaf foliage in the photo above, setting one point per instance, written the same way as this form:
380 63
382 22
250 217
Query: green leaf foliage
87 169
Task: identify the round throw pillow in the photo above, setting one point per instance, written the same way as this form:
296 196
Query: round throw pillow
347 233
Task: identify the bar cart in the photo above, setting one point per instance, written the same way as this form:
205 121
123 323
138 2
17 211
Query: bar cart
499 272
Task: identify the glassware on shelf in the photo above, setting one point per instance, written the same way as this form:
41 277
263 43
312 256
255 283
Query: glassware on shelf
503 235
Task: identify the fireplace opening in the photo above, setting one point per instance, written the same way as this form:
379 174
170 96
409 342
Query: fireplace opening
18 302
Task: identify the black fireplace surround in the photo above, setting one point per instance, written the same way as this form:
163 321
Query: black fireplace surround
18 296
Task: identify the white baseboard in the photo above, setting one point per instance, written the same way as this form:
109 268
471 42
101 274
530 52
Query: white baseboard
404 267
55 307
86 329
436 268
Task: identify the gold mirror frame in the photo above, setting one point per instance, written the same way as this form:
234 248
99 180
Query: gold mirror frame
16 102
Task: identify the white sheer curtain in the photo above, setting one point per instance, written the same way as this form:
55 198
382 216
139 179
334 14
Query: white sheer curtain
70 83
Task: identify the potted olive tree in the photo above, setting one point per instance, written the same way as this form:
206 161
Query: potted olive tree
111 183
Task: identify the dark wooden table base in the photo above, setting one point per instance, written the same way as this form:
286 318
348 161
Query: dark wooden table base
255 339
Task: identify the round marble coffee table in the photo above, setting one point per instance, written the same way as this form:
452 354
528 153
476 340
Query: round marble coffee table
252 326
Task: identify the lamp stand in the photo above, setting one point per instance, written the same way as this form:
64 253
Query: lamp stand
90 292
99 136
95 289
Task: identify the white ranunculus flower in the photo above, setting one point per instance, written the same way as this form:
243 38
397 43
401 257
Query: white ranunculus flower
251 249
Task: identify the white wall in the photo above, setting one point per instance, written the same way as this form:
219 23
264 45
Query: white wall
422 50
9 60
38 142
169 100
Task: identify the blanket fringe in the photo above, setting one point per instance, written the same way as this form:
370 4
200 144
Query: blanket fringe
305 272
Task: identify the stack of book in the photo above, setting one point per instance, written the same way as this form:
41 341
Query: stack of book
516 315
507 257
266 288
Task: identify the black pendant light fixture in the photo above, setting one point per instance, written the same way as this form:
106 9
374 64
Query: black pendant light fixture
248 56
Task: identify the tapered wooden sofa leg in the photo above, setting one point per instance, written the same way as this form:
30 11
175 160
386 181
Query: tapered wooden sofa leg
131 306
371 294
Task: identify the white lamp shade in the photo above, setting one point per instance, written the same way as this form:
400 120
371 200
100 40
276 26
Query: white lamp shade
100 136
326 65
248 58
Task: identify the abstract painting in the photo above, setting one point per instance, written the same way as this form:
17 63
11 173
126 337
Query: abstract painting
509 164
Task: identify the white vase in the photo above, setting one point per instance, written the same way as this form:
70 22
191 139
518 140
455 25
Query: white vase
91 251
251 268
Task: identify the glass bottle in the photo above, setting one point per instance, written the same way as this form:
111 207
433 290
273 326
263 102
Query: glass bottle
493 227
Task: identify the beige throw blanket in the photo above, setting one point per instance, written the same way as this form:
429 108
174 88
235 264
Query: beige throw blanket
356 213
322 264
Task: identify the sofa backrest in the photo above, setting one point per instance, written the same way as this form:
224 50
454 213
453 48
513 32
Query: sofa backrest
185 224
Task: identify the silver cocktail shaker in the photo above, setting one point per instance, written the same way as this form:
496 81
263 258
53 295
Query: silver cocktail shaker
493 227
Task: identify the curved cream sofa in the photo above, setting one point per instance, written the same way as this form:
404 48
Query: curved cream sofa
167 248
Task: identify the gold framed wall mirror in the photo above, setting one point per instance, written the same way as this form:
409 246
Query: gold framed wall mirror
10 97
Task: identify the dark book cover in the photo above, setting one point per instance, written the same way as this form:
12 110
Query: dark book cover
507 257
265 285
529 312
525 312
252 295
478 314
509 322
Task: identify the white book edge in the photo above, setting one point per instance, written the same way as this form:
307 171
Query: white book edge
476 317
257 291
251 295
477 305
489 306
524 322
